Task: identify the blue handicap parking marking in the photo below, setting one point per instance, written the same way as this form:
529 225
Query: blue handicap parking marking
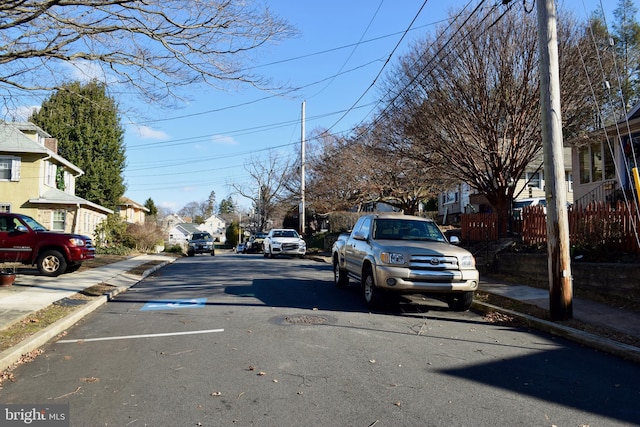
173 304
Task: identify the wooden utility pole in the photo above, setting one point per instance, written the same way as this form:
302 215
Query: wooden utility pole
302 161
560 279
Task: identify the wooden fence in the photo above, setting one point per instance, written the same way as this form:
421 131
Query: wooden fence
593 225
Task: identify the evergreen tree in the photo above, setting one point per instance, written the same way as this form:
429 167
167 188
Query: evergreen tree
227 206
627 41
210 205
150 204
85 121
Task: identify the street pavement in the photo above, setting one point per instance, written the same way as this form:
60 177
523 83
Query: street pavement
32 292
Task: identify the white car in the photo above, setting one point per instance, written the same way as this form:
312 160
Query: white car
284 241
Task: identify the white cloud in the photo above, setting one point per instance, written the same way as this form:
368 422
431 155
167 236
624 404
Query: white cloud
145 132
86 71
169 205
223 140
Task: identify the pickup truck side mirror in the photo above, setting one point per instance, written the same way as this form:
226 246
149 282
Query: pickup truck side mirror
454 240
359 236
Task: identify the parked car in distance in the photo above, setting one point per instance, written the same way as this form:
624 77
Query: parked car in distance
240 248
389 254
201 243
24 240
254 244
284 241
518 205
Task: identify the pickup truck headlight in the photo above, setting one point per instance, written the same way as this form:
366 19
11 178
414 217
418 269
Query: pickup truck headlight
76 242
392 258
467 261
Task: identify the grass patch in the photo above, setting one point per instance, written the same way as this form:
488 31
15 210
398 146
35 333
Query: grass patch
139 270
32 324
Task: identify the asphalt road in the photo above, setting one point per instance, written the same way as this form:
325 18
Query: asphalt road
243 340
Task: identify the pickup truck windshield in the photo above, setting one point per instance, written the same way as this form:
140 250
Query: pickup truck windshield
398 229
33 224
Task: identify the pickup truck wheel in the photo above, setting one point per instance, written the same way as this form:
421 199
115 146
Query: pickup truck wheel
51 263
340 277
460 301
372 295
73 267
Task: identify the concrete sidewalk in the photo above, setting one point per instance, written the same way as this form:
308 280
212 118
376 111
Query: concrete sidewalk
33 292
586 311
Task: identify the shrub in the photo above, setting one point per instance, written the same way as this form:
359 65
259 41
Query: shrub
343 221
143 237
175 249
113 250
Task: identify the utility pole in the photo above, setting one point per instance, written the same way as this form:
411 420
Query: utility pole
560 279
302 143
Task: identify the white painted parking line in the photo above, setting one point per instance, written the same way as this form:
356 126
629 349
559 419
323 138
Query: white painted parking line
130 337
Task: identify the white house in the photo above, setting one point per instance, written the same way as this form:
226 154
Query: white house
216 227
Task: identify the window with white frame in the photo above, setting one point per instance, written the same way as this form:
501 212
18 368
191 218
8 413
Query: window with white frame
534 179
49 174
5 207
59 217
9 168
449 197
596 163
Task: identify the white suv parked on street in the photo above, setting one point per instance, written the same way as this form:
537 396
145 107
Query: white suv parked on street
284 241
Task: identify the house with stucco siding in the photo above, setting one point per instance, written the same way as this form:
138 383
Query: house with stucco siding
36 181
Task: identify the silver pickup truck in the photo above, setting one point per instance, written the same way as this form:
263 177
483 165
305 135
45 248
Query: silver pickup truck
392 253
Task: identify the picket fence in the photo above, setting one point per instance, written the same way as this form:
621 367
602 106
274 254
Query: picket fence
595 224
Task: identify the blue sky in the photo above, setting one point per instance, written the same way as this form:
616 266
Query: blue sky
184 154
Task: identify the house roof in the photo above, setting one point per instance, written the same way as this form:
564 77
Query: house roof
214 217
633 113
125 201
12 140
53 196
187 228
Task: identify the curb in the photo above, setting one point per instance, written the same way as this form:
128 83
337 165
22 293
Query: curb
11 356
596 342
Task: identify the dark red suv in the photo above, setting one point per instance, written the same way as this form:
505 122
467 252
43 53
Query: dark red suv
24 240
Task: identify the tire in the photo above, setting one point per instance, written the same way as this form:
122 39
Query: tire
340 278
73 267
460 301
372 295
213 253
190 254
51 263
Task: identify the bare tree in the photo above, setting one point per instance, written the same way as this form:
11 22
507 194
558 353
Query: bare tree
192 210
266 190
468 98
334 180
396 176
155 47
